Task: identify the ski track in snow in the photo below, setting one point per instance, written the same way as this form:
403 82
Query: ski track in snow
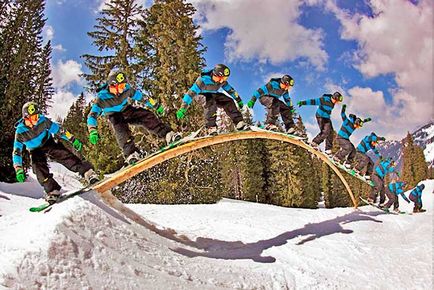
83 244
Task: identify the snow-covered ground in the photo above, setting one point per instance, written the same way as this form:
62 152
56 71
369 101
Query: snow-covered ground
84 244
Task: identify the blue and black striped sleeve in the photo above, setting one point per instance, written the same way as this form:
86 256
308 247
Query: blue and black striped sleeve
231 91
17 153
287 100
313 102
262 91
92 118
195 89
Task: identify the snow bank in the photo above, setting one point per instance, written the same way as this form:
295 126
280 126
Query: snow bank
83 244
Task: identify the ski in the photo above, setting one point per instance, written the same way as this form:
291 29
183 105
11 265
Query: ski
352 172
382 209
45 206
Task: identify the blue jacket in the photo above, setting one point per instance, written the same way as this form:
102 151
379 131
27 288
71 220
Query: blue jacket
204 84
325 105
417 192
35 137
107 103
397 189
272 89
384 168
366 144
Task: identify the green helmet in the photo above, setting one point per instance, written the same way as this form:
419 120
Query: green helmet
117 77
29 109
221 70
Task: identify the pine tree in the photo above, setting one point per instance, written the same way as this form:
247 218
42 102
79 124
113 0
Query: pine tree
44 90
414 167
21 76
169 46
114 34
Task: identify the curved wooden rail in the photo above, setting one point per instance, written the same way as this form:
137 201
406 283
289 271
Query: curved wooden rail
117 179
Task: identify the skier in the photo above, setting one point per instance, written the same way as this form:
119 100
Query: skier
347 152
385 167
113 100
393 190
325 104
416 197
363 160
206 89
41 137
269 95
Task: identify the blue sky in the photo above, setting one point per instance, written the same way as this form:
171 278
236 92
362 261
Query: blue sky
371 51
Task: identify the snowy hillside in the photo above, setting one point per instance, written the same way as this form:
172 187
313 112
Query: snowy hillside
84 244
423 137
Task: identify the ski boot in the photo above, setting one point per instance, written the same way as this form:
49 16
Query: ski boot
212 131
328 152
172 137
91 177
133 158
52 196
271 127
241 126
291 131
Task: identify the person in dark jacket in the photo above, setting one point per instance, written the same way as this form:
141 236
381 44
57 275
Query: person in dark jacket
393 191
325 104
206 90
347 151
363 160
113 100
41 137
385 167
416 197
269 96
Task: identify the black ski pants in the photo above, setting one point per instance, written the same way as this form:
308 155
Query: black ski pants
347 150
59 153
139 117
392 199
274 107
363 160
212 101
417 204
378 188
326 133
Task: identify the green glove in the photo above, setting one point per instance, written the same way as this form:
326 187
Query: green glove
20 175
160 110
240 104
344 107
300 103
250 104
292 110
93 136
180 114
77 145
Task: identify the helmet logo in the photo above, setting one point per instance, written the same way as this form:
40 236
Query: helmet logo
120 77
31 109
226 72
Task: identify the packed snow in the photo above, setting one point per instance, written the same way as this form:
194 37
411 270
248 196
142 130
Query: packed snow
83 243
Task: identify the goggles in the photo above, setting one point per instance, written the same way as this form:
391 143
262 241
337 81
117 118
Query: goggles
220 79
358 124
339 98
117 88
31 120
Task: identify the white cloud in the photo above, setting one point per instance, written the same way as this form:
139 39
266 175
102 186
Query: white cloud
397 39
264 30
59 47
48 32
62 101
65 73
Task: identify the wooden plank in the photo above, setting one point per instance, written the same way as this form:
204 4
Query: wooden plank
209 141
